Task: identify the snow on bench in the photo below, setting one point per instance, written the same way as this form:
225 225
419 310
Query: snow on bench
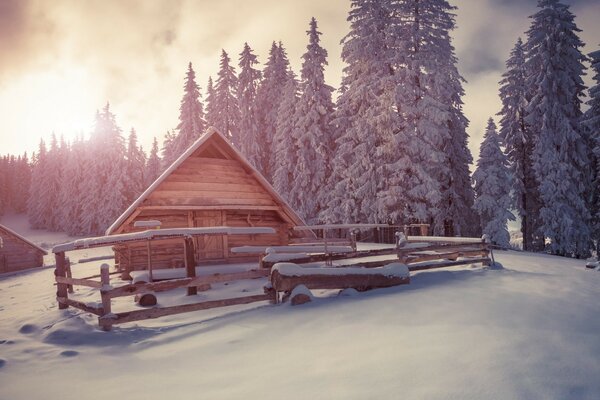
279 257
179 273
101 241
393 269
444 239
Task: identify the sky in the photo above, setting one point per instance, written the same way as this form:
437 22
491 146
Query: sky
62 60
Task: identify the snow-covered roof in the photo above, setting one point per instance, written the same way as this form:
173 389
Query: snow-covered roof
101 241
22 238
210 132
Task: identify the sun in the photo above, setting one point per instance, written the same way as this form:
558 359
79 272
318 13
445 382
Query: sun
59 100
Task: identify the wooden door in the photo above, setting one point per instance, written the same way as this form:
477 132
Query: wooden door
208 247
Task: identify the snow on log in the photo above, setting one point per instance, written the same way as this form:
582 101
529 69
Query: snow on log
339 226
276 257
444 239
286 276
300 295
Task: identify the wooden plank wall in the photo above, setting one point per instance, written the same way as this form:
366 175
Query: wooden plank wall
16 255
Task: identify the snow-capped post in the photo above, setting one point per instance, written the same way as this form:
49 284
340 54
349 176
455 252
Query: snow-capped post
190 264
61 288
487 250
104 320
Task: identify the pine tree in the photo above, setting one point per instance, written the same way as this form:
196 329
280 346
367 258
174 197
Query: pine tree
591 123
35 202
168 150
283 142
211 105
153 169
135 168
312 134
364 119
492 187
270 90
248 80
519 141
191 119
72 195
227 113
50 185
106 184
429 93
559 158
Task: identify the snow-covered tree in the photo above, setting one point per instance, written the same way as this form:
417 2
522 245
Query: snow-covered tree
211 105
35 203
429 93
168 150
492 183
591 123
106 181
312 134
72 195
191 119
270 90
554 62
519 141
227 113
249 133
152 166
364 118
51 184
135 168
283 142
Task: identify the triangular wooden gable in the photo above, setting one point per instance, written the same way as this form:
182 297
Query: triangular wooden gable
211 173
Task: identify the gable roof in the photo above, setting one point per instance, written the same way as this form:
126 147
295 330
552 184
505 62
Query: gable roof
211 135
22 238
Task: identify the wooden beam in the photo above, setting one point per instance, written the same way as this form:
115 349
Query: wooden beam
152 313
106 318
80 305
444 264
129 219
79 282
199 208
133 289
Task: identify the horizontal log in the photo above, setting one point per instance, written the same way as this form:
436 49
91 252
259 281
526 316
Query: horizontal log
192 208
133 289
444 264
227 202
183 194
210 177
339 256
283 283
211 187
152 313
80 305
79 282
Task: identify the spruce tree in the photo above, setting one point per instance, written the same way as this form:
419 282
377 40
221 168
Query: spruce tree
35 203
135 168
227 113
191 119
72 186
153 169
554 61
249 133
364 118
285 151
168 150
106 182
270 90
312 133
50 185
519 140
591 123
492 184
211 105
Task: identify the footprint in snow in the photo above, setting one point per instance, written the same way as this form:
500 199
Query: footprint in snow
69 353
2 363
28 328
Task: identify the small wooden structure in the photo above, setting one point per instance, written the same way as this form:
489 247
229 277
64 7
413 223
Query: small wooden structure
211 184
18 253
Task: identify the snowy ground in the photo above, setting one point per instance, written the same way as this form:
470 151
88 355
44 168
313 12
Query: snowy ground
528 331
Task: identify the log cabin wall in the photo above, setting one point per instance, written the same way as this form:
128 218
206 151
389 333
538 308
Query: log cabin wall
211 187
16 254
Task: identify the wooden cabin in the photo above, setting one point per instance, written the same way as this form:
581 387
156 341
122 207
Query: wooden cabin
18 253
211 184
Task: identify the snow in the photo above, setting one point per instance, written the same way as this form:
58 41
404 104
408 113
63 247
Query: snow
276 257
393 269
339 226
527 331
444 239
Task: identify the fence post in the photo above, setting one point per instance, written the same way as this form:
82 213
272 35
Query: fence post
69 274
105 320
60 270
190 264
